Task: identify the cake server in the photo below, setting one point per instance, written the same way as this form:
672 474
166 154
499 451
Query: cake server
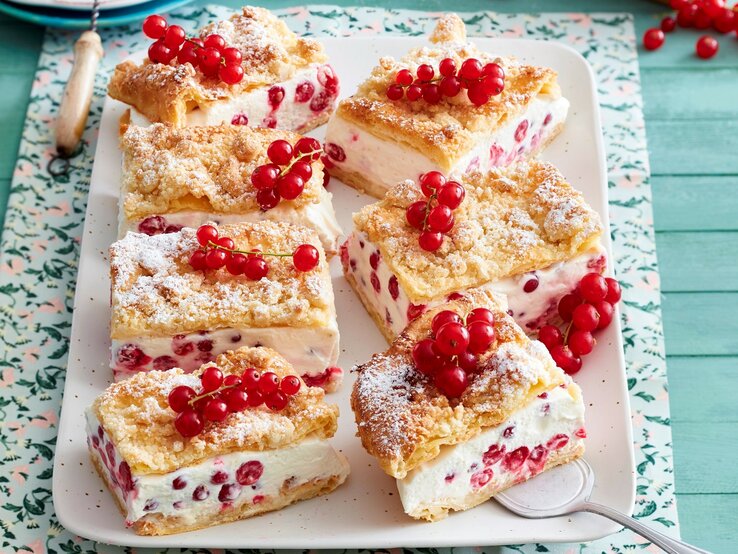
566 490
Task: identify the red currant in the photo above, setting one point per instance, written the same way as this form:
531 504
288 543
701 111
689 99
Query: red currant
255 398
492 86
414 92
593 287
415 214
441 219
726 21
585 317
481 336
441 318
606 312
702 20
550 336
452 339
425 72
425 357
188 54
580 342
668 24
706 47
614 292
206 234
255 268
303 169
268 383
290 186
215 259
430 241
477 95
567 304
653 39
180 397
449 86
290 385
305 257
174 36
235 265
211 379
231 74
276 401
232 56
226 242
237 400
395 92
468 361
566 359
431 93
431 182
308 145
215 41
231 381
471 69
250 379
209 59
154 26
160 53
265 176
452 381
189 423
404 77
267 198
678 4
280 152
215 410
447 67
197 260
451 194
687 14
494 70
480 314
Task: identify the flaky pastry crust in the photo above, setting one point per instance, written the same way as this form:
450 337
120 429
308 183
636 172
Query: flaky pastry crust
155 291
511 221
444 132
136 416
271 54
403 420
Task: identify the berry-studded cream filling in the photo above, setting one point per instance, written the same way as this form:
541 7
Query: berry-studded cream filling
465 475
532 297
292 105
312 351
319 216
355 150
220 483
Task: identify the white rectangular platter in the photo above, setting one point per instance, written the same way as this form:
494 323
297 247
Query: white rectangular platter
366 511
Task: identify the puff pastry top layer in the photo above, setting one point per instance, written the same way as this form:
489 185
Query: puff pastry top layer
155 291
446 131
403 420
136 415
271 54
168 169
512 220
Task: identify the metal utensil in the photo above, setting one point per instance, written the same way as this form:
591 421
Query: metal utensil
566 490
75 104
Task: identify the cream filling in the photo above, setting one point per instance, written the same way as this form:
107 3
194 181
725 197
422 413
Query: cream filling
217 483
309 350
376 159
498 457
296 111
386 296
318 216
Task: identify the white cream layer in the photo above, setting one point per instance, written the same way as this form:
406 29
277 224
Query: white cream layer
221 482
309 350
253 108
497 458
386 163
387 297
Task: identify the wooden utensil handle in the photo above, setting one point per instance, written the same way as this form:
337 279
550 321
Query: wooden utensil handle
75 105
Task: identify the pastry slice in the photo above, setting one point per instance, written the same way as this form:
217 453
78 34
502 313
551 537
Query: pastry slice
374 142
287 83
256 460
174 178
517 415
522 231
167 314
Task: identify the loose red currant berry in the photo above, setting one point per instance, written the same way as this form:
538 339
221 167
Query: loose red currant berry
431 93
441 318
303 169
593 287
706 47
441 219
447 67
215 259
477 95
668 24
267 198
290 186
206 234
550 336
215 410
174 36
451 194
197 260
431 182
308 147
585 317
305 257
280 152
567 304
265 176
231 74
653 39
250 379
452 339
492 86
566 359
614 292
481 336
415 214
480 314
404 77
449 86
235 265
606 312
237 400
425 357
154 26
211 379
215 41
430 241
395 92
471 69
494 70
451 380
160 53
580 343
276 401
425 72
290 385
232 56
180 397
255 268
414 92
268 383
226 242
189 423
468 362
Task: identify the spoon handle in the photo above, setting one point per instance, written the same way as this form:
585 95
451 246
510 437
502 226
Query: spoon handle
672 546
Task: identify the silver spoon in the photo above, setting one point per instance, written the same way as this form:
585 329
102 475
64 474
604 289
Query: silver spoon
565 490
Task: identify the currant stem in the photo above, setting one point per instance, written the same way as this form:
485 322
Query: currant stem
248 252
220 389
428 208
302 155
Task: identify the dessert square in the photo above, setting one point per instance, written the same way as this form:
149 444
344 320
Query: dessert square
522 231
255 460
518 415
184 177
287 83
167 314
374 142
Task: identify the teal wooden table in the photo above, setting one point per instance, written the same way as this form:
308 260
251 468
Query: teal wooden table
691 110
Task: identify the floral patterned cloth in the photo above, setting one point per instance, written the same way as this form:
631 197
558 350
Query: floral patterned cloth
40 248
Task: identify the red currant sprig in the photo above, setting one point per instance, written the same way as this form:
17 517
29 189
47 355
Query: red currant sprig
450 355
222 395
480 81
218 251
434 221
289 170
588 309
211 55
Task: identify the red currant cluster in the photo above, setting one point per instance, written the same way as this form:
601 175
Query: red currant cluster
286 175
480 81
434 221
588 309
222 395
700 14
449 356
218 251
211 55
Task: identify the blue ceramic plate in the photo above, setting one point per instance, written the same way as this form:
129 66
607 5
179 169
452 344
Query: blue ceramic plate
76 19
